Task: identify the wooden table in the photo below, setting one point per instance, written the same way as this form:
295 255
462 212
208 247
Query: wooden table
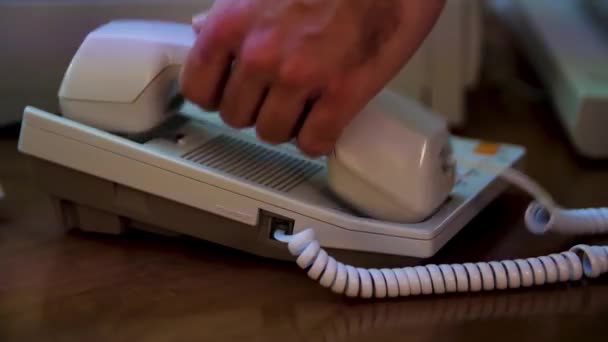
58 285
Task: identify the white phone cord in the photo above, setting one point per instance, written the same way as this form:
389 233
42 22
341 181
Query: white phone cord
542 216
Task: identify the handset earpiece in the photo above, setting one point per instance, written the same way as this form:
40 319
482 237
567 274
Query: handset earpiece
124 76
394 160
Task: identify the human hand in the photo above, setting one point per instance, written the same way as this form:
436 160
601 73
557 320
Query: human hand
300 68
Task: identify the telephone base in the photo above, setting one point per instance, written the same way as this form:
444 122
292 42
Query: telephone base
88 212
107 183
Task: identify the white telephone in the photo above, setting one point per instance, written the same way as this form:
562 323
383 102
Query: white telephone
123 79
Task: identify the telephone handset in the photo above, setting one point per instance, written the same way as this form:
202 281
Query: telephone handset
124 77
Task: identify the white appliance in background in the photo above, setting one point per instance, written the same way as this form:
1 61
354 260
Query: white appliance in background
567 42
40 37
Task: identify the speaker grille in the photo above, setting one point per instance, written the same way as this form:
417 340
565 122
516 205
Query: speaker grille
253 162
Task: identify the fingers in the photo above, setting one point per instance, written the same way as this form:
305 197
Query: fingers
278 116
209 62
252 83
266 90
319 132
328 117
252 75
296 83
242 99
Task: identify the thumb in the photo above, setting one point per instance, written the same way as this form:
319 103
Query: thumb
198 21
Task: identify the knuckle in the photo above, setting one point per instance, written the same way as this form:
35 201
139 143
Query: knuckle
258 60
297 72
224 30
337 91
259 56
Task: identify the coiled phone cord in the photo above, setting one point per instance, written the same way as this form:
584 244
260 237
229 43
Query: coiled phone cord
542 216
